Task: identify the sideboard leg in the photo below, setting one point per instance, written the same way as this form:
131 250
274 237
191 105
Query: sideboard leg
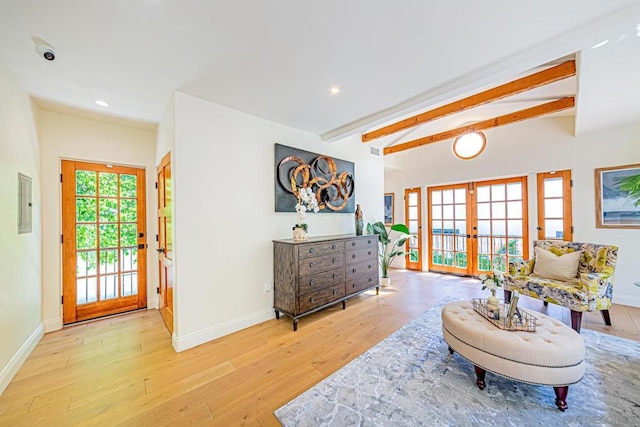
344 304
295 325
561 397
277 314
480 373
377 290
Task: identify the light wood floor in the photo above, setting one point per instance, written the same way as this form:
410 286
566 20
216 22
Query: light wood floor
123 370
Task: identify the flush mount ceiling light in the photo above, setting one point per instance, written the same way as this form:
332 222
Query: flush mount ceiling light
469 145
334 90
102 103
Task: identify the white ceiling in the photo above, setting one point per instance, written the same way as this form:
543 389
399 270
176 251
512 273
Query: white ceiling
277 59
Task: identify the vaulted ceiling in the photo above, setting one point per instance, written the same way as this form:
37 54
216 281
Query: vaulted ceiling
278 59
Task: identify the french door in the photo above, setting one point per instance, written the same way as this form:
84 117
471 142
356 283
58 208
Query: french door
103 240
554 206
413 214
478 227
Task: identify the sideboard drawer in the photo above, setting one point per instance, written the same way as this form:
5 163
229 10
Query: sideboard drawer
364 268
321 263
320 280
361 243
353 257
320 297
361 283
316 249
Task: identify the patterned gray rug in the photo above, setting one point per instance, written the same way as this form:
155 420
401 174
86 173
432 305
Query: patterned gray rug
410 379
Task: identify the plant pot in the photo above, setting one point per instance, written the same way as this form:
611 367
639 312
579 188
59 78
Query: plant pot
385 282
299 235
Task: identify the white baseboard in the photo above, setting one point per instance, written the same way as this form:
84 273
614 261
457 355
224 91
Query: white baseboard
625 299
19 358
209 334
53 325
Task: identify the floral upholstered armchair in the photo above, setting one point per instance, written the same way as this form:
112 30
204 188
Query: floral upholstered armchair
584 284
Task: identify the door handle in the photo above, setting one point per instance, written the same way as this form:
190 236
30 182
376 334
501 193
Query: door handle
539 228
160 250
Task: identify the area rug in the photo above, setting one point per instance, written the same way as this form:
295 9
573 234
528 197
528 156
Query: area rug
410 379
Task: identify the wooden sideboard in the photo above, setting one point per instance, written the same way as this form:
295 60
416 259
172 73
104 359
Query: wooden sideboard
309 276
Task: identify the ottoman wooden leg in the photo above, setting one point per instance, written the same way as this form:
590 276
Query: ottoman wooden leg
480 373
450 350
561 397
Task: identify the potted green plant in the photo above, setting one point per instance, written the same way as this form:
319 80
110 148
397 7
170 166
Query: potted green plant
389 249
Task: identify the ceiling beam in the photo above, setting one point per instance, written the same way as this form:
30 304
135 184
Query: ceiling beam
518 116
541 78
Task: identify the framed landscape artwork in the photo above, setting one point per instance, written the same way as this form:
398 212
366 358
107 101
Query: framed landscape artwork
618 197
388 208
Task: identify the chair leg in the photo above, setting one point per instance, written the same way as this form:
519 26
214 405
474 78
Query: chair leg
507 296
605 316
546 303
576 320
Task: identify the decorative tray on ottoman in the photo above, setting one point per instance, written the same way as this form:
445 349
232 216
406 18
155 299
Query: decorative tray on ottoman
519 321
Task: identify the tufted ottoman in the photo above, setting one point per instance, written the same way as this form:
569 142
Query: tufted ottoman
553 355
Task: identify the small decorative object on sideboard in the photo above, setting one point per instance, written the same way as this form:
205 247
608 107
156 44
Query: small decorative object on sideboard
359 223
389 251
306 202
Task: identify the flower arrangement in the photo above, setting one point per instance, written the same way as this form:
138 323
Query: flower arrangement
306 202
491 281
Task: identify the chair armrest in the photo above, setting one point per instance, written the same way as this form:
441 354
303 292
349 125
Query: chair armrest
597 284
520 268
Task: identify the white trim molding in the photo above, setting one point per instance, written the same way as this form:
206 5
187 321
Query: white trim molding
20 357
53 325
209 334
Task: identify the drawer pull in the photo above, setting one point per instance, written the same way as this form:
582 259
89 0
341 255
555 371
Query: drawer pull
369 266
312 300
370 280
311 265
334 292
333 246
353 270
311 250
369 252
369 241
311 282
353 243
353 286
333 260
333 276
353 256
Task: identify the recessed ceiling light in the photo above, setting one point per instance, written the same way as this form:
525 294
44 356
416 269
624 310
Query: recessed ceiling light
102 103
602 43
334 90
638 30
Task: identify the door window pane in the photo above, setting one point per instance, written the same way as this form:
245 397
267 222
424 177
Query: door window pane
498 228
436 212
436 227
108 261
86 290
553 229
498 210
484 228
553 208
108 210
515 247
86 263
448 243
413 212
448 258
553 187
128 233
498 192
85 183
514 191
461 260
129 284
436 197
459 195
128 186
483 194
108 184
436 242
515 227
85 209
447 211
484 211
499 245
108 287
447 197
461 227
461 211
86 236
436 257
108 235
128 211
413 199
514 209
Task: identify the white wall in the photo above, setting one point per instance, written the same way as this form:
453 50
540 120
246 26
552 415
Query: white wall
224 214
527 148
20 254
69 137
